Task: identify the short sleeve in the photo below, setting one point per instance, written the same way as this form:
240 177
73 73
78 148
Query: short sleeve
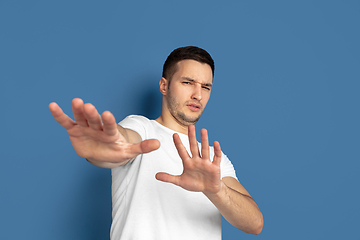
227 169
136 123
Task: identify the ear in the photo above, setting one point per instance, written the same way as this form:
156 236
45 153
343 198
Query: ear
163 85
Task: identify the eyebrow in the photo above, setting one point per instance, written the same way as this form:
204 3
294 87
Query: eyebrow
192 80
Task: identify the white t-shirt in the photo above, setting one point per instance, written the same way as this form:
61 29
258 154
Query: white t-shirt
147 209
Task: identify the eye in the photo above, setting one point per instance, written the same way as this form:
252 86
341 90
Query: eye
206 88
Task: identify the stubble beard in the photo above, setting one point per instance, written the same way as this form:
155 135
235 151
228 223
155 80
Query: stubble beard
179 116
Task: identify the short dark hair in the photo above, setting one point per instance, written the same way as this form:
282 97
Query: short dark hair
183 53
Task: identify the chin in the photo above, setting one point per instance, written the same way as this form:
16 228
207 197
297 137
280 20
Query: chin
186 120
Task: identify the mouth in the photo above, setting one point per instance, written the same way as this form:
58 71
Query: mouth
194 106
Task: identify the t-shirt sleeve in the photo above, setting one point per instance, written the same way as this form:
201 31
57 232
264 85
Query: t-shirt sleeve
227 169
136 123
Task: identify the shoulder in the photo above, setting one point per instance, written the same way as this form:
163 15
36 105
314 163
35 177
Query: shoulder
136 123
134 120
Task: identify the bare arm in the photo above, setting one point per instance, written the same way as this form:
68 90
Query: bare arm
98 138
200 174
237 206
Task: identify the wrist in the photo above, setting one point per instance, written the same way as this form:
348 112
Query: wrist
219 193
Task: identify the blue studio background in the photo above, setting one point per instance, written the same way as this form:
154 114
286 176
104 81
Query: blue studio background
285 106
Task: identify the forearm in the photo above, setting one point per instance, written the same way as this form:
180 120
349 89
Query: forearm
102 164
238 209
98 160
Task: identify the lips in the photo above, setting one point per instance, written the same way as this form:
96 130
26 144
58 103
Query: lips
194 106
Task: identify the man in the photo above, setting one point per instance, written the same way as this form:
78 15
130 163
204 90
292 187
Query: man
146 155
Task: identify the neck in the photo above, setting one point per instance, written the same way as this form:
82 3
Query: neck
172 123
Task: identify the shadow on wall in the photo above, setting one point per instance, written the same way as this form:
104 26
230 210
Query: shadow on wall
149 97
151 107
142 97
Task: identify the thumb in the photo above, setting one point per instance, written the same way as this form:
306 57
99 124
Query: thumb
149 145
165 177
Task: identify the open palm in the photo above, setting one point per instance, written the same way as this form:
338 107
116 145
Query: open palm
200 174
99 137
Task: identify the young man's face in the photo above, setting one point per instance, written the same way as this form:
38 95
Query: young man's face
189 91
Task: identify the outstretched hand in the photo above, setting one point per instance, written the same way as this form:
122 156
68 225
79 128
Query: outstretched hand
99 138
200 174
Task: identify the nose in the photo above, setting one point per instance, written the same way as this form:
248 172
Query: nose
197 92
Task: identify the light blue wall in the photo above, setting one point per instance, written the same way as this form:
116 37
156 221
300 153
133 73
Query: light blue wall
285 106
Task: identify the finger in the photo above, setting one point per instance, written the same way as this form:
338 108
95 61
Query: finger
60 116
165 177
217 153
183 153
204 145
78 111
149 145
145 146
194 147
109 123
92 116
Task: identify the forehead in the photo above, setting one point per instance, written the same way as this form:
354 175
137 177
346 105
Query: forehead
200 72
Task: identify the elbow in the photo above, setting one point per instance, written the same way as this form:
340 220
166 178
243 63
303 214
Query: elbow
257 230
258 226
